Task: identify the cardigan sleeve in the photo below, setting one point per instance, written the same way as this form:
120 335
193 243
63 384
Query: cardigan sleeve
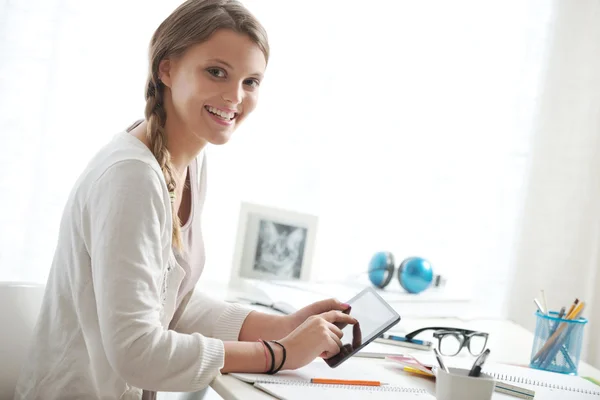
129 229
212 317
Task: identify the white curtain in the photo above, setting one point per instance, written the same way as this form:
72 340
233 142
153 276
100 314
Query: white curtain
559 241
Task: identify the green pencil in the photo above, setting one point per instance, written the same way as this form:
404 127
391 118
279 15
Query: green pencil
595 381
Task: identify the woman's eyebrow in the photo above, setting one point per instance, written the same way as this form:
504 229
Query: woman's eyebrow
225 63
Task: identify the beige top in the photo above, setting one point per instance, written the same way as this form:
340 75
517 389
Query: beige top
192 255
115 319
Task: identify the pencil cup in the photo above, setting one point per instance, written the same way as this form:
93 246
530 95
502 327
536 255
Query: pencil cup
458 385
557 343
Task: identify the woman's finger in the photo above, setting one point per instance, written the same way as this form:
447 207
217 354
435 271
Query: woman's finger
336 338
328 305
337 316
333 345
336 330
356 335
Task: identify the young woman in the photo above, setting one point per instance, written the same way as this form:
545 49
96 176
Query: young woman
120 317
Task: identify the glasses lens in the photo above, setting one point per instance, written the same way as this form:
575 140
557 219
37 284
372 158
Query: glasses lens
450 344
477 344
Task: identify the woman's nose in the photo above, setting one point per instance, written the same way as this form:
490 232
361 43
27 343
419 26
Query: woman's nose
234 94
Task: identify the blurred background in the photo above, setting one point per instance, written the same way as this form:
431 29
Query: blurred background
465 132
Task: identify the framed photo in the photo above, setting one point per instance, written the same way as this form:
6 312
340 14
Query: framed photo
273 244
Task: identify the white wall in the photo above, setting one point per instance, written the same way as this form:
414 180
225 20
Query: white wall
415 141
403 125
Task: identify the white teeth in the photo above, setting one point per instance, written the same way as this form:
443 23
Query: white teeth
222 114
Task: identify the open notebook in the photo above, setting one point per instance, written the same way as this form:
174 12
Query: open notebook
292 385
542 384
295 390
547 385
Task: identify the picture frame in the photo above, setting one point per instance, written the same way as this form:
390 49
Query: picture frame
273 244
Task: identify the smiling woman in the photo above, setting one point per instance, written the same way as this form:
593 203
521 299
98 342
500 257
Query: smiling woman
205 78
120 317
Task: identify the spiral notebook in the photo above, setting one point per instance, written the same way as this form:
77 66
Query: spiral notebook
296 384
298 390
543 385
547 385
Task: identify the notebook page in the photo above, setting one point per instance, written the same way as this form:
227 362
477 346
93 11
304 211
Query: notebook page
364 369
312 370
351 369
543 381
546 385
542 393
305 391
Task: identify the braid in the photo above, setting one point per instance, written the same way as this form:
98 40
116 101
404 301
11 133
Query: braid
155 132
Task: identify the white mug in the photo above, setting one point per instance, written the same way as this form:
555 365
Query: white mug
458 385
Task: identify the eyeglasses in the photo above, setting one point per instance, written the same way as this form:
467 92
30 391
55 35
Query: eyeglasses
452 340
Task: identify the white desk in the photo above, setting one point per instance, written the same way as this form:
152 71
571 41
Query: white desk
509 343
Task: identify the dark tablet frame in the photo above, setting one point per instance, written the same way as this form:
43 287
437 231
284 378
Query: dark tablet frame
342 356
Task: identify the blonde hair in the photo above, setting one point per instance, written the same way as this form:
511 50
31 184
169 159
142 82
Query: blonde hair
191 23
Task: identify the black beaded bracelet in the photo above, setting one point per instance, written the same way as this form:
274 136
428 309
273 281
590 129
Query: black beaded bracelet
284 355
270 371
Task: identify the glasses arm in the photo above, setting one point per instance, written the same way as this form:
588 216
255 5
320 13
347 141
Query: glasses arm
434 328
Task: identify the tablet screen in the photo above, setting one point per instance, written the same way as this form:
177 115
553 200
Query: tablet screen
374 317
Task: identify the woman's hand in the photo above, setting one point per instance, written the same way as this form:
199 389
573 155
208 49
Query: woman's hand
317 308
268 326
316 336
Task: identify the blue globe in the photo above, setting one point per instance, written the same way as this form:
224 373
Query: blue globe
415 274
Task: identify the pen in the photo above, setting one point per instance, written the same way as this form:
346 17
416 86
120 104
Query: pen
544 303
575 303
560 315
539 306
478 364
440 360
346 382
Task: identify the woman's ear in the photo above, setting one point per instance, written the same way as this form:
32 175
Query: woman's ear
164 72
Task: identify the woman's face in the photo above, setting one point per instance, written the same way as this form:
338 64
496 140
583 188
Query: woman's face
214 85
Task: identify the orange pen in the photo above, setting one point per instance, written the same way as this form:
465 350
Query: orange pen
346 382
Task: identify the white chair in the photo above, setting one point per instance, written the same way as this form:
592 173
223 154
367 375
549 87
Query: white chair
19 307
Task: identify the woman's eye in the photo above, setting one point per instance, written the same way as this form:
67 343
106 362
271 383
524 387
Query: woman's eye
252 82
216 72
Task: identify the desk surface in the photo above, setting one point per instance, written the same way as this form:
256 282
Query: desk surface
509 342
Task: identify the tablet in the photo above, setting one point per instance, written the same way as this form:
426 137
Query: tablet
374 317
